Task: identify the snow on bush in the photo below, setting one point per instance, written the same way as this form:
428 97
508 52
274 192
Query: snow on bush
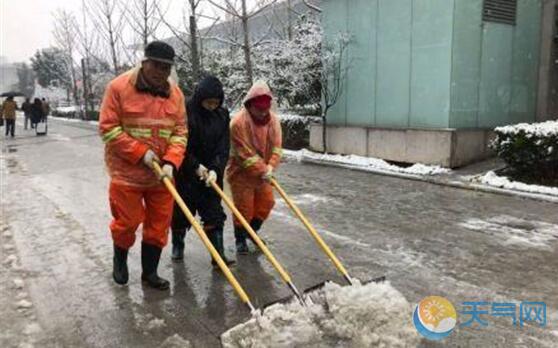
371 315
529 149
370 163
492 179
291 68
53 94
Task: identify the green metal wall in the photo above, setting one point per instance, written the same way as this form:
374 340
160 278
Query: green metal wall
434 64
495 66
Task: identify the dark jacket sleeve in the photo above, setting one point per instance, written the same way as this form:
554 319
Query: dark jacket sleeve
191 163
221 154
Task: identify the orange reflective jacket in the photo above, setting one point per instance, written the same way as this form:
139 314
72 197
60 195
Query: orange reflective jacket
253 147
132 122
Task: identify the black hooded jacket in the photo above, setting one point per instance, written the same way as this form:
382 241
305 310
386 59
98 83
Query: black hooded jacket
208 132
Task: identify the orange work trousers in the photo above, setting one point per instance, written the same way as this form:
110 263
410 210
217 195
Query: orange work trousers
254 201
132 206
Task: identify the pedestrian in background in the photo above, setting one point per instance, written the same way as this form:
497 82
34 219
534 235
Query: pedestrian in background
26 107
36 112
9 108
46 109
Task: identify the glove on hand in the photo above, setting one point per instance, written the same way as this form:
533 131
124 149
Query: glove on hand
149 157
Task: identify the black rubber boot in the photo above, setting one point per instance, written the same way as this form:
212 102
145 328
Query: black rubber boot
216 238
240 237
256 224
120 265
150 256
178 244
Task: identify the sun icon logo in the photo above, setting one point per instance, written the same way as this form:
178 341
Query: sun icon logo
435 317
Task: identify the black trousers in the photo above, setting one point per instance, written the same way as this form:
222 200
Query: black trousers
10 127
201 200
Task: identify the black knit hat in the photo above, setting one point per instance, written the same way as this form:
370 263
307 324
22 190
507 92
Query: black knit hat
159 51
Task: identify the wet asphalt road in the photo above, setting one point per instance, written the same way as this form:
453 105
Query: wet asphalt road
426 239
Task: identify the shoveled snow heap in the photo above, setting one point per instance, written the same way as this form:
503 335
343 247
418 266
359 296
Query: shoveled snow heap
492 179
366 163
371 315
542 129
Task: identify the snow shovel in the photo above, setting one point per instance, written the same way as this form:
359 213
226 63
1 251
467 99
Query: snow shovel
318 240
284 275
199 230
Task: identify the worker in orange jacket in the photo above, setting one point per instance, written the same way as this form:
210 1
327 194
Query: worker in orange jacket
142 121
256 142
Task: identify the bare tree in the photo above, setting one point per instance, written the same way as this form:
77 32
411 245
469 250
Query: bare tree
194 52
334 71
108 19
190 37
239 9
281 20
312 6
142 17
65 32
87 40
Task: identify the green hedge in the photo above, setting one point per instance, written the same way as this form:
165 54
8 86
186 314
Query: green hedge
530 150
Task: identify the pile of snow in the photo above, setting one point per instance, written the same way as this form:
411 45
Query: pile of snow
366 163
175 341
371 315
52 94
285 117
72 109
492 179
293 118
542 129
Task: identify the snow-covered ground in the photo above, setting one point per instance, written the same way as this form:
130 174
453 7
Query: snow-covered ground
366 163
65 119
492 179
509 230
421 170
371 315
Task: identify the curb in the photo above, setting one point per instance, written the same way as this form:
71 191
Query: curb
438 181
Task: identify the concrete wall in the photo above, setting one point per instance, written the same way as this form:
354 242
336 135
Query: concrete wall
445 147
547 102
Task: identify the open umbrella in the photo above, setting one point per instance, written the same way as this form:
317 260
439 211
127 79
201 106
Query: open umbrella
12 94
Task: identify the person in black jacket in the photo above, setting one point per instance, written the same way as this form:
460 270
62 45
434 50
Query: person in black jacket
205 161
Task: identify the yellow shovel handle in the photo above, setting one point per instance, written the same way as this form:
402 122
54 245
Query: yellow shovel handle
230 277
252 233
312 230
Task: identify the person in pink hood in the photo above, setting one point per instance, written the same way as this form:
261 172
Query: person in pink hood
256 148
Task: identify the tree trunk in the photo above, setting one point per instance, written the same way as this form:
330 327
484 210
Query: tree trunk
246 47
289 21
112 45
324 131
145 24
194 53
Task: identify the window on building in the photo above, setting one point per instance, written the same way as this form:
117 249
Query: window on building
500 11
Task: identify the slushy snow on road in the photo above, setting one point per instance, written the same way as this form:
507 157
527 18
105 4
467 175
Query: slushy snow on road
371 315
